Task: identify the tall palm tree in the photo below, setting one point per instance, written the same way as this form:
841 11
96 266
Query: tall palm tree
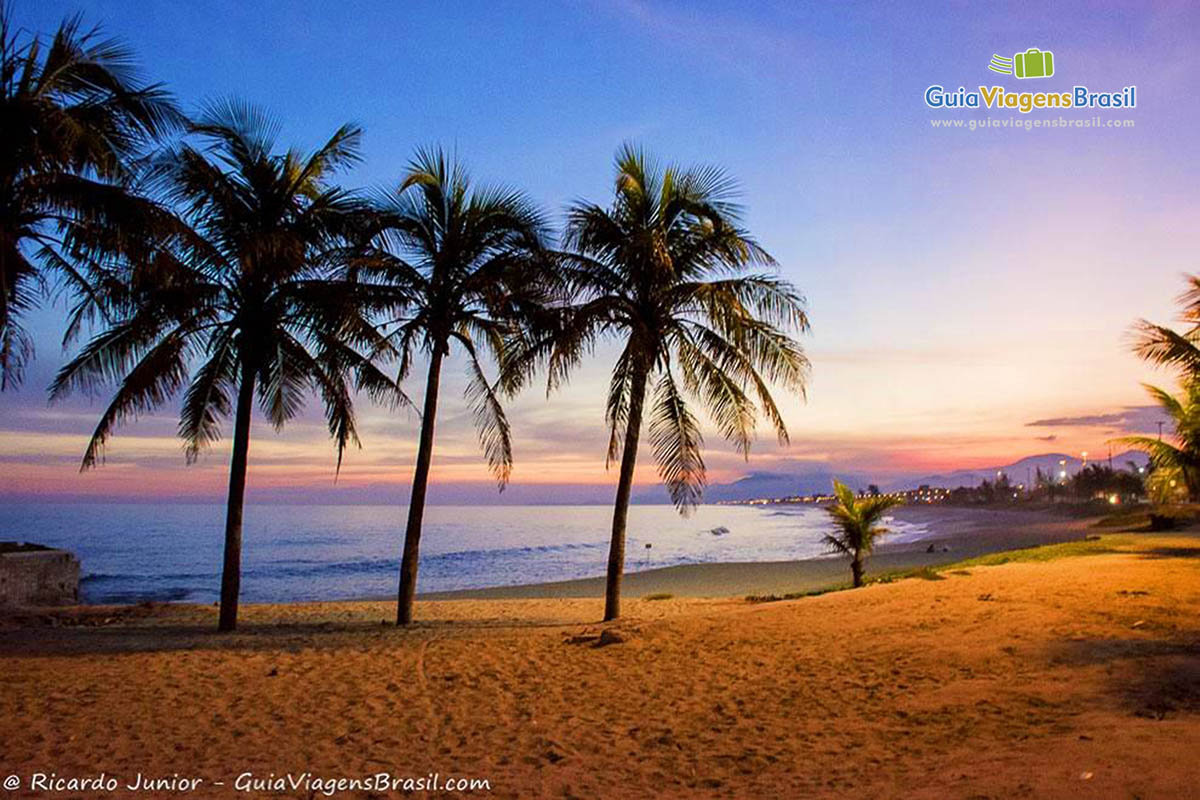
665 269
1175 460
241 298
467 264
857 520
75 114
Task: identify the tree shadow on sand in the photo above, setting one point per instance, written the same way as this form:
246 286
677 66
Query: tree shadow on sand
141 636
1152 678
1182 551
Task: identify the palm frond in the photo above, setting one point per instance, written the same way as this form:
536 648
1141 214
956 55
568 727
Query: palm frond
1161 345
208 399
677 442
495 435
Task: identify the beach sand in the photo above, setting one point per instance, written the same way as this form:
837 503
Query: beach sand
1077 677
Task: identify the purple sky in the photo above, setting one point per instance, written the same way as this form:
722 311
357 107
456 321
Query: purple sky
962 284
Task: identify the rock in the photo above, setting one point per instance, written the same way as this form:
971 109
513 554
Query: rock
582 638
608 637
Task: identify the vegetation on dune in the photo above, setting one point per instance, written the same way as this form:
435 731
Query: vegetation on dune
856 520
1091 546
1047 552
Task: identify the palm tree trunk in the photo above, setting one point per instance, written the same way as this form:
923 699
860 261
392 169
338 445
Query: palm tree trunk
616 548
416 505
856 568
231 572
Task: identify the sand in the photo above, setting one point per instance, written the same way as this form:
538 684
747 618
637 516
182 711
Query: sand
1075 678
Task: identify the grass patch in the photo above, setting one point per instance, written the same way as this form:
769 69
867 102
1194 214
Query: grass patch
1091 546
775 598
924 573
658 596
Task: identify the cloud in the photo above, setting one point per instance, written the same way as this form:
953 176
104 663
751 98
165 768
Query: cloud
1131 419
1050 438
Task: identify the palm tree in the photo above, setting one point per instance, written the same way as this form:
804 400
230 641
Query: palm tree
1175 464
75 114
857 520
245 285
1164 346
665 269
466 265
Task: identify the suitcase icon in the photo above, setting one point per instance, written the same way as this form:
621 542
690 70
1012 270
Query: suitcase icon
1034 63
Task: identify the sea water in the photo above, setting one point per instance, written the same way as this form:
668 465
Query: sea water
135 552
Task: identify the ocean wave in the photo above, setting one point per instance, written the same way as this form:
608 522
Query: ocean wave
99 577
163 594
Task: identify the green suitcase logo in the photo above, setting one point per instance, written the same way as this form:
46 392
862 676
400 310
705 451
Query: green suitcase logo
1033 63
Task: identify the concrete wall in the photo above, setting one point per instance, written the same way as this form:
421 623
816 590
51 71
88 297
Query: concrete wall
37 577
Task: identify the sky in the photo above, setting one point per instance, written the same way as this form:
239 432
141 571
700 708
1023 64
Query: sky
970 291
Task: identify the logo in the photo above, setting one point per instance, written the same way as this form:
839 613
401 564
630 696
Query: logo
1033 63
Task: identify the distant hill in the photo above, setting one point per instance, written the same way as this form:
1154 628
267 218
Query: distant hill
1020 471
817 479
814 480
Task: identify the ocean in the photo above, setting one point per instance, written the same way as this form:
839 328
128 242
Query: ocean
294 553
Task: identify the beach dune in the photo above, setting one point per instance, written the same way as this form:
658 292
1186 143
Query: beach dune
1070 677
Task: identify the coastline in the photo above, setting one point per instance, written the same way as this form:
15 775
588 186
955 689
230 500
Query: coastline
960 533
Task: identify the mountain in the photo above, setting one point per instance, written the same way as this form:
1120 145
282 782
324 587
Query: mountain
818 478
814 479
1020 471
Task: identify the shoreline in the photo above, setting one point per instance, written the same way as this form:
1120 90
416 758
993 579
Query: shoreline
959 533
955 533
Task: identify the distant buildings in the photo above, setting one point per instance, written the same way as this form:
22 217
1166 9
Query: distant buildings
922 494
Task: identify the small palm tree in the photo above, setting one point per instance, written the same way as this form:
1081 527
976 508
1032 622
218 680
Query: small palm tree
245 286
1175 460
857 520
75 114
465 265
666 270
